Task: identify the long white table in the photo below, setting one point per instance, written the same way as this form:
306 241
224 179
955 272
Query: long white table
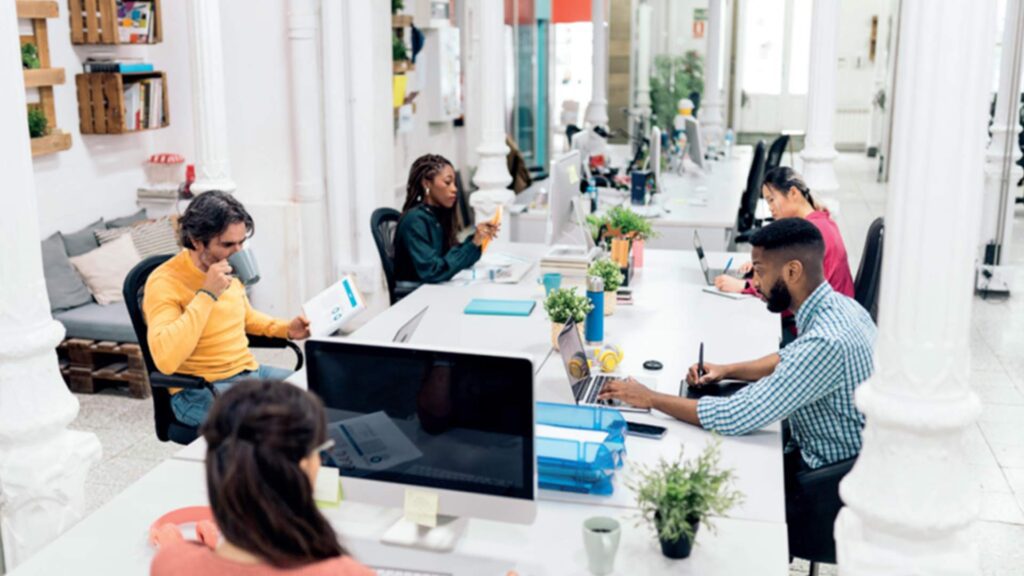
705 201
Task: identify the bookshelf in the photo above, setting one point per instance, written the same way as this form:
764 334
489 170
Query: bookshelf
400 23
102 105
96 22
44 78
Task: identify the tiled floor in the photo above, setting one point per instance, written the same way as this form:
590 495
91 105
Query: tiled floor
125 426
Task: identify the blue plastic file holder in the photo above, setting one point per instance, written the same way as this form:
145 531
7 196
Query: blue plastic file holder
589 461
602 487
587 418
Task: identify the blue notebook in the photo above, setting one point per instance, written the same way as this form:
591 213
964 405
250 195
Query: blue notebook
500 307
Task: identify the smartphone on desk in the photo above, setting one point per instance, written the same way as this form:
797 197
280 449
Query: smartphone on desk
645 430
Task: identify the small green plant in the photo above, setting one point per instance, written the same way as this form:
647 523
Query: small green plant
397 6
398 50
673 496
624 223
564 303
674 78
609 272
37 123
30 56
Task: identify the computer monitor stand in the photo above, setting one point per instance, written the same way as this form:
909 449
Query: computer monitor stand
442 538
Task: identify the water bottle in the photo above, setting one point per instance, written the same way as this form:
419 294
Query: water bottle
592 194
594 325
729 138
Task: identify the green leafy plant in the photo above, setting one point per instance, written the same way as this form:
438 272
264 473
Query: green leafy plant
37 123
30 56
398 50
674 78
609 272
624 223
397 6
673 496
564 303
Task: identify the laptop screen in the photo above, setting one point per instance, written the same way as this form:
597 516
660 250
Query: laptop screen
446 420
700 255
405 333
574 357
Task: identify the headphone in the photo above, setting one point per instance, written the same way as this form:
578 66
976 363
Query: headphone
167 529
608 357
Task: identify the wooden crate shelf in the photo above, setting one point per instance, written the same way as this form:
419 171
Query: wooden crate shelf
401 20
56 141
37 9
44 77
95 22
101 103
89 365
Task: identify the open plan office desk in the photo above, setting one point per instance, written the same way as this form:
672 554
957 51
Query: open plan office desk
668 320
705 201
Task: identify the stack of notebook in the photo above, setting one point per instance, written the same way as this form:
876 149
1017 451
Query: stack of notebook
571 261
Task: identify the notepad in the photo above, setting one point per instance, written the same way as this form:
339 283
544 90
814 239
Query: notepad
500 307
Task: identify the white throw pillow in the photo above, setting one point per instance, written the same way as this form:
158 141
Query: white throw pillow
105 268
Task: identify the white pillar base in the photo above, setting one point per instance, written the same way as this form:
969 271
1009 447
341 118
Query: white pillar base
819 169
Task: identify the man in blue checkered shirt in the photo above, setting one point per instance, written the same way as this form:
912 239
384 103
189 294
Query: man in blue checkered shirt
811 381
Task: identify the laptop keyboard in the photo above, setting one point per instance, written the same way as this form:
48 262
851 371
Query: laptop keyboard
596 385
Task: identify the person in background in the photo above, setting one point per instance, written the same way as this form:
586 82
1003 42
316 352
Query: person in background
263 440
198 315
426 247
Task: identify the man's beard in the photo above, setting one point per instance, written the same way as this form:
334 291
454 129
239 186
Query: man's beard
778 297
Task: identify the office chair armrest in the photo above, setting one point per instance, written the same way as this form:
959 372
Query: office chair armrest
404 288
159 380
269 342
829 475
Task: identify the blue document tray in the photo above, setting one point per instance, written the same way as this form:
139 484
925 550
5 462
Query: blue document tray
587 418
588 461
601 488
500 307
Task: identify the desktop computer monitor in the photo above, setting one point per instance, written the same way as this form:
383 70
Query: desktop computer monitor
694 145
456 426
563 196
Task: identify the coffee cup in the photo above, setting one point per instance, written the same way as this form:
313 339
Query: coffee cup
551 281
601 542
244 267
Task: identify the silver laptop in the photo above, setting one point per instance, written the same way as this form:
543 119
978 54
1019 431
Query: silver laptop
405 333
586 387
710 273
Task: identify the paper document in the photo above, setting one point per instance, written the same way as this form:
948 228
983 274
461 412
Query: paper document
559 433
333 308
371 442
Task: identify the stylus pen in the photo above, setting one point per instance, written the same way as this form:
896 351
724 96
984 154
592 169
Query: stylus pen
700 362
727 265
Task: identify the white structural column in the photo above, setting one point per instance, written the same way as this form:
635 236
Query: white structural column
711 117
643 64
209 113
308 189
597 110
492 177
42 463
819 153
997 214
910 498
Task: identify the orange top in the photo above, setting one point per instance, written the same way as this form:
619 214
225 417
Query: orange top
196 559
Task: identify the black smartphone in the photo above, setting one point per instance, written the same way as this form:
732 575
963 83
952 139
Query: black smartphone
645 430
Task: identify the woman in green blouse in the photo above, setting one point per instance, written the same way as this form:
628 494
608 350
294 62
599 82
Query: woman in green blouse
426 249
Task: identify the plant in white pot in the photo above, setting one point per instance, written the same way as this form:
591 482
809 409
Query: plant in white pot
610 273
675 497
562 305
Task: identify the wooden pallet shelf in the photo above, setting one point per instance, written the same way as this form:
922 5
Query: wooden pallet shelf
56 141
101 103
95 22
401 20
89 365
44 77
37 9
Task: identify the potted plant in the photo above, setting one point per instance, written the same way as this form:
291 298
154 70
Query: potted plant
30 57
675 497
610 273
627 231
562 305
37 123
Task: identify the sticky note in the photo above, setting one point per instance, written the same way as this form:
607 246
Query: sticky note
327 492
421 507
495 220
574 177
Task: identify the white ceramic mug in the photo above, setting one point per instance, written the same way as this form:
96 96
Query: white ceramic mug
601 541
244 267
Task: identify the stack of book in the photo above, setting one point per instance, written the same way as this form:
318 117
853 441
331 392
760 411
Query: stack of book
144 104
135 21
96 64
569 261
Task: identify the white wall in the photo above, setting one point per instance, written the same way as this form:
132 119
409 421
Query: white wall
98 176
672 27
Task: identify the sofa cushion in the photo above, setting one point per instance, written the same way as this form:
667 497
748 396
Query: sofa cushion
63 285
150 238
84 240
105 268
129 220
98 322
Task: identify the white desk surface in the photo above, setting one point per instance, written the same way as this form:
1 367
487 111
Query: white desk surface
113 540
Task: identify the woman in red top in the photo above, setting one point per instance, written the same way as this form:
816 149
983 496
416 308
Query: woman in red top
263 455
788 196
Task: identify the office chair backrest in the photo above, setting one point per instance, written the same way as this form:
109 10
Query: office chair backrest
778 148
869 274
570 131
748 201
383 225
133 291
464 212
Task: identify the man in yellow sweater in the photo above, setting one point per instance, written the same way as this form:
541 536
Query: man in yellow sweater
198 314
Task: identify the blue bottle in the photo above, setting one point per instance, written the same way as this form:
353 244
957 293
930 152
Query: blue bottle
592 194
594 326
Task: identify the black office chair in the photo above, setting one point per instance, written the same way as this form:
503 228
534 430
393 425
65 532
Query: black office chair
465 213
167 426
745 219
383 225
570 131
811 513
775 152
869 276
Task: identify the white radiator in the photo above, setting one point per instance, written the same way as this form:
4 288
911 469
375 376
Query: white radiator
852 128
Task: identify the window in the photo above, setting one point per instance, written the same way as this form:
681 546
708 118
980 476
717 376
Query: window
762 54
800 46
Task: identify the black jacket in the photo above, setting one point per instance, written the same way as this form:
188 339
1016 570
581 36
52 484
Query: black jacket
419 249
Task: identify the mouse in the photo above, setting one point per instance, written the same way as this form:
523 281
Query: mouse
652 365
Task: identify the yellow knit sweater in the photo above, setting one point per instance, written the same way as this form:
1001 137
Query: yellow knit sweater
190 333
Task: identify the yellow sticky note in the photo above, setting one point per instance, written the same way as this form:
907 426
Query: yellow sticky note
495 220
327 491
421 507
574 177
